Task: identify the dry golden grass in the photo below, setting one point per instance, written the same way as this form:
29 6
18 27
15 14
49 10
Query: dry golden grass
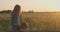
39 20
43 20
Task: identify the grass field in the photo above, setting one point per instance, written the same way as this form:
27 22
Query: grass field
43 20
36 20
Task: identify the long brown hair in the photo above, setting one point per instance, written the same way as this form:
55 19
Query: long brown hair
16 11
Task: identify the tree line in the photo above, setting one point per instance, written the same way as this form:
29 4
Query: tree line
5 11
9 11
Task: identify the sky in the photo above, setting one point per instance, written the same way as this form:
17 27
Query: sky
36 5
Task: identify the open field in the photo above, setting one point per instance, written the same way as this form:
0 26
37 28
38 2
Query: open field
36 20
43 20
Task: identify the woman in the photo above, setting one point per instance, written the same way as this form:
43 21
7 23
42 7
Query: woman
16 16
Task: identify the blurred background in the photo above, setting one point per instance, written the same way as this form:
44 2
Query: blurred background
39 14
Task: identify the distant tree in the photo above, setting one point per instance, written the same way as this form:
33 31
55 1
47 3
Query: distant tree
5 11
8 11
24 11
30 11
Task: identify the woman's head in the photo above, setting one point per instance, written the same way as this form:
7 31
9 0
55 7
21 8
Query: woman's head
16 10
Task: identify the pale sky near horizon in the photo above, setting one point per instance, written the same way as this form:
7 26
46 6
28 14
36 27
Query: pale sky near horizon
36 5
